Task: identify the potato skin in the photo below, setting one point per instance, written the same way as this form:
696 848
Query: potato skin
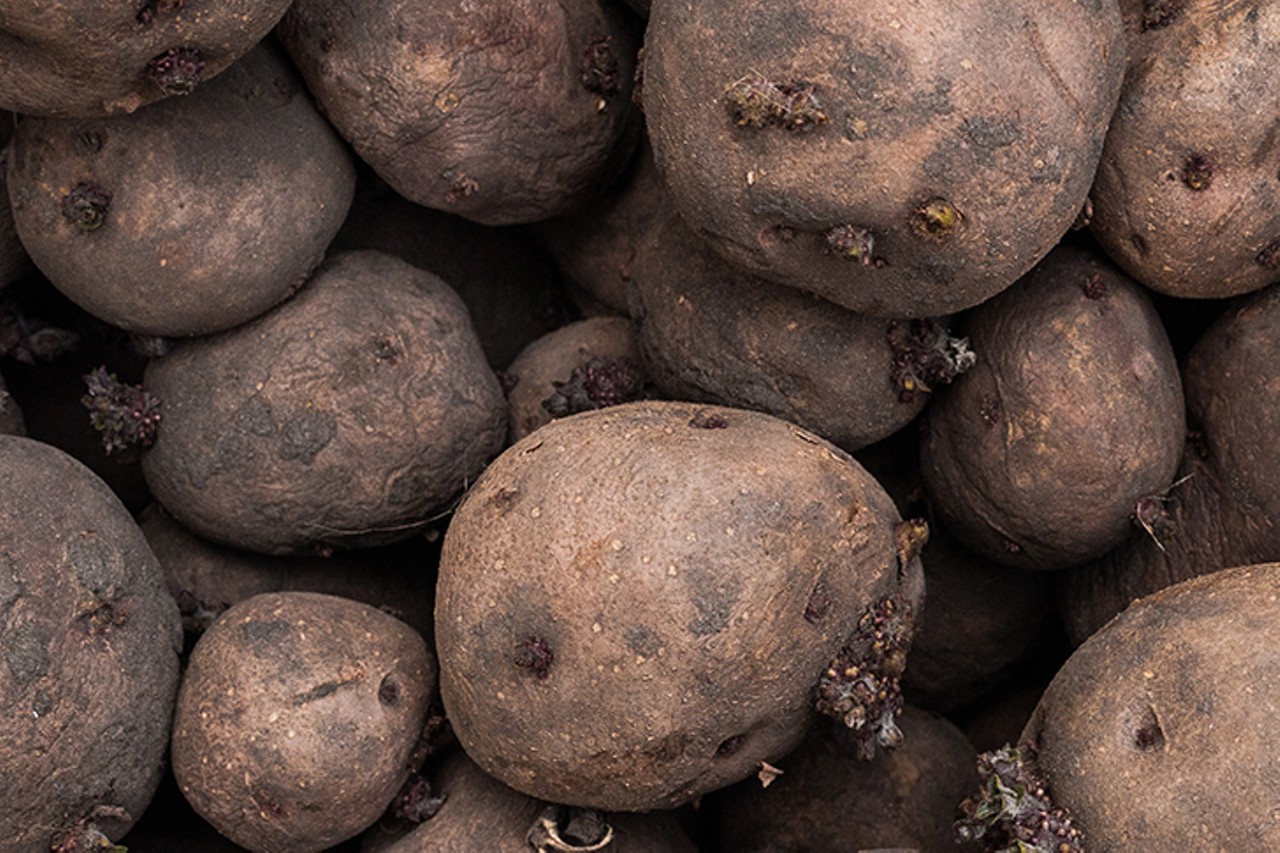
507 131
1158 734
635 603
1187 196
89 642
990 117
297 717
711 333
220 204
1036 457
345 417
90 57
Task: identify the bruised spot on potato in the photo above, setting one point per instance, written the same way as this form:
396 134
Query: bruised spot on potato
263 638
642 640
988 133
26 655
305 435
712 598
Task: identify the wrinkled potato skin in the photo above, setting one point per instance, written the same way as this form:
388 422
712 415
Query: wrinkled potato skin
221 203
84 58
1036 457
1201 86
553 358
714 334
998 111
347 416
89 642
296 719
669 569
1158 734
473 109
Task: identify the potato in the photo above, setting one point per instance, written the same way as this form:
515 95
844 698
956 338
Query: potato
1187 196
1158 733
297 718
712 333
507 281
89 645
1222 510
192 216
91 58
480 813
823 798
348 416
1074 413
634 604
585 365
905 160
498 114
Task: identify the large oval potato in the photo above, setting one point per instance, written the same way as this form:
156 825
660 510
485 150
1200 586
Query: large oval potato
635 604
910 159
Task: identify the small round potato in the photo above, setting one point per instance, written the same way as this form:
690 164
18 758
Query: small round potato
297 718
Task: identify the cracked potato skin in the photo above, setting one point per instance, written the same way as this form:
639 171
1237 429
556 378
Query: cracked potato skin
346 417
85 58
89 641
634 604
1158 733
960 139
297 718
474 109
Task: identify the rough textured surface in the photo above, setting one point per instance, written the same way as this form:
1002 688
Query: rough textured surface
555 357
1157 734
216 206
683 576
711 333
1187 197
206 579
513 126
347 416
1224 508
1037 456
297 718
90 57
480 813
88 653
916 159
826 799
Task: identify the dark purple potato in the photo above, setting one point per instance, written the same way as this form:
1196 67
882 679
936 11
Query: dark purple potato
297 719
1187 196
911 160
499 114
98 57
712 333
89 643
189 217
635 604
1037 457
480 813
585 365
350 415
505 278
824 799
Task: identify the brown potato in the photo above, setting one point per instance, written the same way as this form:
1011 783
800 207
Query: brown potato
348 416
1158 733
297 718
635 603
98 57
498 114
189 217
89 644
906 160
1187 196
1037 456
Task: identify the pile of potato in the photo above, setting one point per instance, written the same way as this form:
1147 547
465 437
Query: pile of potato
664 426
